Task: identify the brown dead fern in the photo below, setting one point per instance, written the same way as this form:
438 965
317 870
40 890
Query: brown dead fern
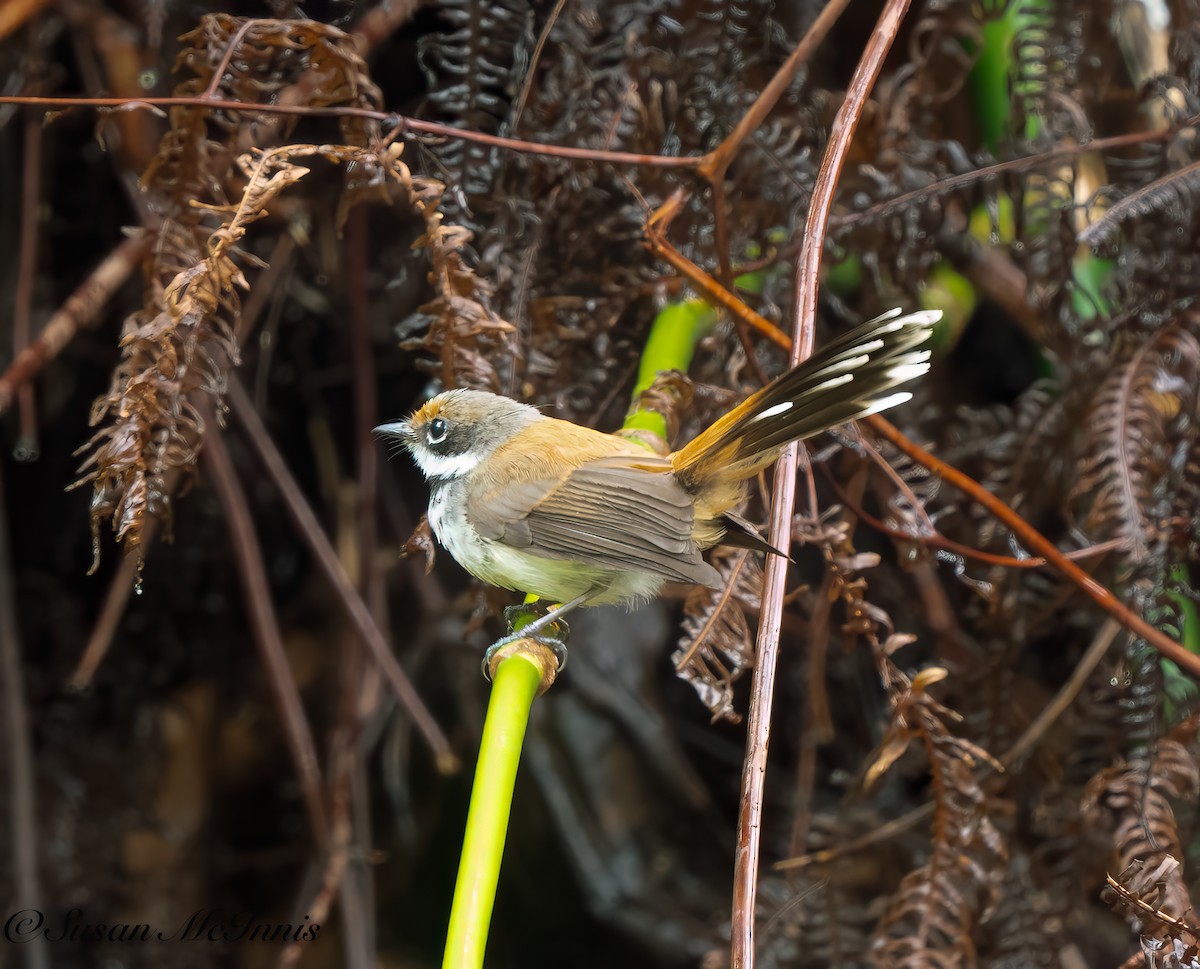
1134 800
181 341
933 916
717 645
460 328
1132 435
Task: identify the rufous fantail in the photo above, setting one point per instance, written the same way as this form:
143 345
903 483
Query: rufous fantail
578 516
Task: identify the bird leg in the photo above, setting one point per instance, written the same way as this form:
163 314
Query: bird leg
539 629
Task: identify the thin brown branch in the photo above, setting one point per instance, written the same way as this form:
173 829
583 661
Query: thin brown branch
401 122
78 312
708 288
1036 542
531 71
1065 696
953 182
335 861
21 781
235 42
361 681
356 610
1159 193
115 602
714 165
818 726
26 273
722 603
936 539
256 591
13 13
758 730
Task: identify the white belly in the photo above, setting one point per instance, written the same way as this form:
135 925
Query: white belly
557 580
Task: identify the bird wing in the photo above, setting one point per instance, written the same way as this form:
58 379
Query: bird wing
619 512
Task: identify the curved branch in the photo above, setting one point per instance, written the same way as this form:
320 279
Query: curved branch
807 274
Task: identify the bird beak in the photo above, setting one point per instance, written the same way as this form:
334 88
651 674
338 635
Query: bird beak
400 429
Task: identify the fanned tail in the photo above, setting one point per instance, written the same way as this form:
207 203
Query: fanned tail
851 377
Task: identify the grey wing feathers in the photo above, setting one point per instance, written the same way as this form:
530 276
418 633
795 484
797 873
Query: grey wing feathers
607 513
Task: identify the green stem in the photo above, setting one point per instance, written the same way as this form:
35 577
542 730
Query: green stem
671 345
513 690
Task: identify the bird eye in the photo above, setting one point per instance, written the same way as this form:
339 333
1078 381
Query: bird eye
437 431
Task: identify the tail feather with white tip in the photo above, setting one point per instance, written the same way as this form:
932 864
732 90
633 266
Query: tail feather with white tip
849 378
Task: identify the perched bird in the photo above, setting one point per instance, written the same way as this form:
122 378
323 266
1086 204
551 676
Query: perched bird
578 516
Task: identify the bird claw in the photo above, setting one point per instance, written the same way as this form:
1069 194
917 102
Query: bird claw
557 646
525 623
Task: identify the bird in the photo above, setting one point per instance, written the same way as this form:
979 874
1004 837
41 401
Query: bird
577 516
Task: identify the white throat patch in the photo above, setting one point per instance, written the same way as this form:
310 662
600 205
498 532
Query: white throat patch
445 466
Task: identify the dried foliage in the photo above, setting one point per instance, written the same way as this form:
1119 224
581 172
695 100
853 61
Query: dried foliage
933 916
1172 192
182 340
1142 421
460 328
1073 398
717 645
1134 801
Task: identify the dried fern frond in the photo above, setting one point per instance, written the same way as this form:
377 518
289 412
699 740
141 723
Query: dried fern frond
717 645
182 341
1135 800
1166 940
182 350
1134 427
474 67
459 325
934 914
1173 191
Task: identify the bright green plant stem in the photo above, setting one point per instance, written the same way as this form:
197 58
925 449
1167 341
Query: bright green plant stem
513 690
671 345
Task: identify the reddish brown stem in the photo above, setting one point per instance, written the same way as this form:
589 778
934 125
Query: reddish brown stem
235 42
402 122
1035 541
13 13
22 801
26 272
361 692
257 594
77 313
710 290
936 539
758 729
356 610
115 601
714 165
